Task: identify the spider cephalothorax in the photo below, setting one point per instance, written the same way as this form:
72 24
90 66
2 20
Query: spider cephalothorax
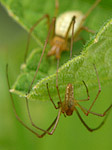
58 44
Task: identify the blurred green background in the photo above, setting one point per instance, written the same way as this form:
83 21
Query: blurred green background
70 133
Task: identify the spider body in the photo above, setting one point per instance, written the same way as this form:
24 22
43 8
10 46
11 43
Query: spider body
58 44
62 30
68 105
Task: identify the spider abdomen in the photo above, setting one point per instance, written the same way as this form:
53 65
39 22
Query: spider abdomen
63 22
69 94
68 104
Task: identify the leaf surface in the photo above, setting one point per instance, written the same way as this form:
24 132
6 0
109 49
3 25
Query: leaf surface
98 50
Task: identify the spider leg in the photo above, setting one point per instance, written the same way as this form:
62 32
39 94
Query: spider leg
18 118
77 37
46 41
87 29
88 111
97 93
94 113
85 16
45 131
88 128
72 22
53 21
57 81
72 38
46 16
87 94
80 38
56 8
91 9
32 123
55 122
50 97
49 127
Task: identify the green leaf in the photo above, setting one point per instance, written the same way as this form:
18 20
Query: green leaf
97 51
27 13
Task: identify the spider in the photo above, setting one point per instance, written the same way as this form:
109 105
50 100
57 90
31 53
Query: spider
66 107
62 30
70 104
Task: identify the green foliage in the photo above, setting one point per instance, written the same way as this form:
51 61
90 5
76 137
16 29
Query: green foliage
26 13
98 50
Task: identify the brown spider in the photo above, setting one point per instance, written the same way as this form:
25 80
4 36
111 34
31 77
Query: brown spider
62 30
66 107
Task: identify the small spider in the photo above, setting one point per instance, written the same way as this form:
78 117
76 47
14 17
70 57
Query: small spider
66 107
62 30
70 104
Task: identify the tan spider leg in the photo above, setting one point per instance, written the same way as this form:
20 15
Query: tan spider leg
51 26
88 30
97 114
88 111
91 9
57 80
72 22
88 128
18 118
72 38
46 16
85 16
97 93
56 8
